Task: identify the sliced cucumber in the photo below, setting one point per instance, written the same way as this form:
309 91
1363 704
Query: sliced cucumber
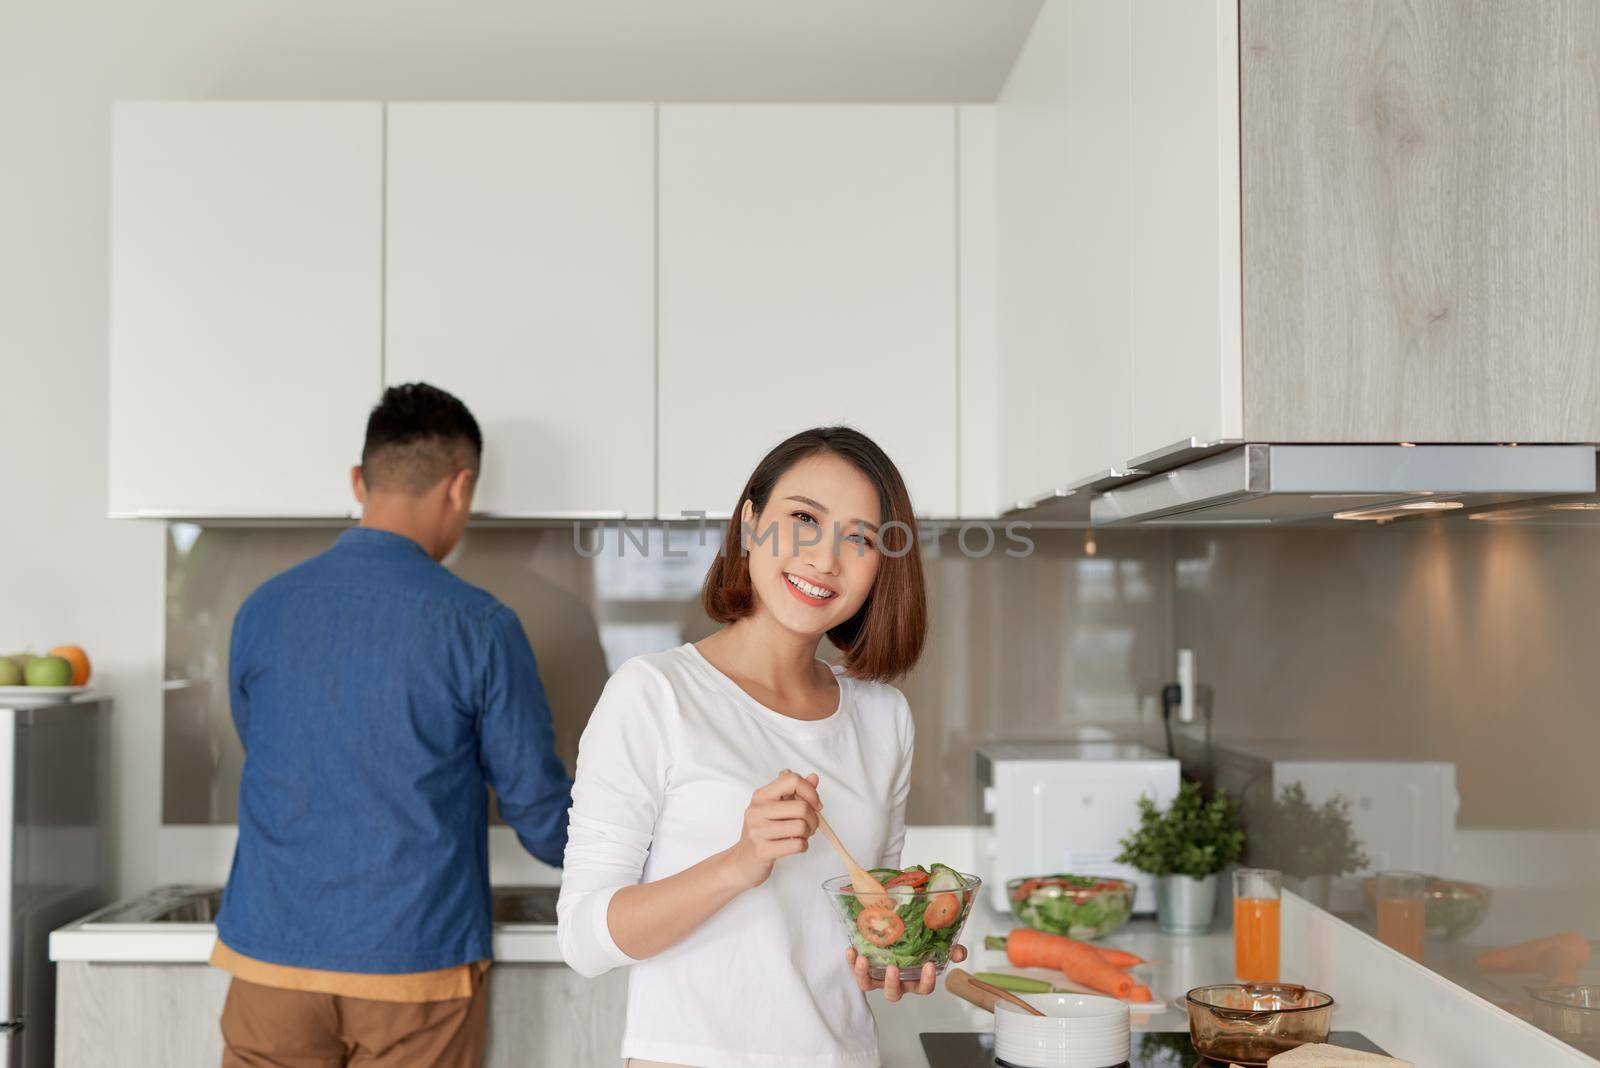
903 895
884 874
944 879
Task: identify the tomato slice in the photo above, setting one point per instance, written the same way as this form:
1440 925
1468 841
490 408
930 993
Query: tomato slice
913 878
942 911
1026 889
880 926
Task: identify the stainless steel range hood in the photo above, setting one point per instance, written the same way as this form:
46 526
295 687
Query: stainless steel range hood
1263 484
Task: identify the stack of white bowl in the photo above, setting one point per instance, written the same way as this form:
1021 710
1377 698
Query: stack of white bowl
1076 1031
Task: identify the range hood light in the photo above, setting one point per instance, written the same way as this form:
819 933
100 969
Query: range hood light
1505 515
1576 506
1408 444
1431 506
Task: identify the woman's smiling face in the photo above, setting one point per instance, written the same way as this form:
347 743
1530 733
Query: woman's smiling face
813 550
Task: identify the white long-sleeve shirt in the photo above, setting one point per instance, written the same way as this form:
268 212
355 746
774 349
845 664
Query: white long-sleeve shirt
666 768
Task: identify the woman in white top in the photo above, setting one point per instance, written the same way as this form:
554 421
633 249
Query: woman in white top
687 855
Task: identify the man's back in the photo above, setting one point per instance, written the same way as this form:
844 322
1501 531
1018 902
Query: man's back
375 694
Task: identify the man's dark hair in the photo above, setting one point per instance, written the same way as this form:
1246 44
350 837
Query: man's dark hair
416 436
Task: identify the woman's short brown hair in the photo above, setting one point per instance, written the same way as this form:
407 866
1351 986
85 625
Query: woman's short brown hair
884 638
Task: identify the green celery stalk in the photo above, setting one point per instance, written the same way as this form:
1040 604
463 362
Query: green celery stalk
1018 984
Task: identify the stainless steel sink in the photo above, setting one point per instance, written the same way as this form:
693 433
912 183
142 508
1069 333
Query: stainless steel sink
525 904
199 904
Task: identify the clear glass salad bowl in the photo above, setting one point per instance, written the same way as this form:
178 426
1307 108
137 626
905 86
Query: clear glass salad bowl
1078 906
930 907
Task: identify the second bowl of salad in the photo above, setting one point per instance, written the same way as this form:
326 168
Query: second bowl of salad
1078 906
930 906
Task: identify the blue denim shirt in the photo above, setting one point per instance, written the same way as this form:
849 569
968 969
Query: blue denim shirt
376 694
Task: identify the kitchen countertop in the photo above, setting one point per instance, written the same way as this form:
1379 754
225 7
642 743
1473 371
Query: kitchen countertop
95 938
1394 1001
190 943
1179 965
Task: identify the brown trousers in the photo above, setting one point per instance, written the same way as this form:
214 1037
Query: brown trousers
264 1027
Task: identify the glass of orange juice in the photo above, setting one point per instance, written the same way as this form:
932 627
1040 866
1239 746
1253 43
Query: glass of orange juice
1401 916
1257 899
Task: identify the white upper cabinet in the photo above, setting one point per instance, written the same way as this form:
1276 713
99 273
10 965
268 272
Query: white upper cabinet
979 435
521 277
1118 238
1183 238
807 276
246 305
1066 368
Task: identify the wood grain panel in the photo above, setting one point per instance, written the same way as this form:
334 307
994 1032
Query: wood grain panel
1421 217
114 1015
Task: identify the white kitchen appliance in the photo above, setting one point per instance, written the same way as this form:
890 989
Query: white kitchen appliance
1403 812
55 813
1064 807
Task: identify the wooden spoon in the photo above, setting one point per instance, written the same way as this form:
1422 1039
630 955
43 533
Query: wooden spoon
982 994
866 885
869 891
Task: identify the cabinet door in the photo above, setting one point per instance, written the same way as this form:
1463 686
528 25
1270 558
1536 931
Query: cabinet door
808 276
1066 367
521 277
246 297
1183 247
1421 220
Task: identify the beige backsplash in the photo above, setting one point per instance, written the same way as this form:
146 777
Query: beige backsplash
1050 646
1446 640
1436 639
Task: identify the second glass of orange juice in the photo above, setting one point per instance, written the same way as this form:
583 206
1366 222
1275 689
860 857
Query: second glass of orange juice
1401 918
1257 900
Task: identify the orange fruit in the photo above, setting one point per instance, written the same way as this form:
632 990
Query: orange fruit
77 658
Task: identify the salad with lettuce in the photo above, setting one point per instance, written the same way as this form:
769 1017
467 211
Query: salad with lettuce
930 905
1077 906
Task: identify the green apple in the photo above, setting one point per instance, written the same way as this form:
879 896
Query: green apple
10 673
21 660
48 671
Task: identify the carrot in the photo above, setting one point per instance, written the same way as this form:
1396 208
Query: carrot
1090 971
1027 948
1117 958
1078 961
1556 955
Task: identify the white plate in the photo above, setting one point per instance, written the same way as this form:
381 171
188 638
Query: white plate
38 696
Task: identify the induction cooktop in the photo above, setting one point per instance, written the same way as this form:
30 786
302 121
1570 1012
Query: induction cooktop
1151 1049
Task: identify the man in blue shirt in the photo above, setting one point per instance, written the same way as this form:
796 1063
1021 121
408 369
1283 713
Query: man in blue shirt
376 696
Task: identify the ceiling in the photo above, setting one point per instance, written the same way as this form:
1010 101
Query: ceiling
756 50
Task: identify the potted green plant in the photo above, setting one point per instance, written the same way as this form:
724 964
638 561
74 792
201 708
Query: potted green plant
1311 844
1185 847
